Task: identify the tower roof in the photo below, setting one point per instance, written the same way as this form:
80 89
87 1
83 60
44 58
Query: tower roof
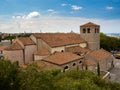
89 24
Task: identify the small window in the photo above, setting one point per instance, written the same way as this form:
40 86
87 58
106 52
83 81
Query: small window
74 64
62 50
80 62
98 30
78 54
66 67
84 30
88 30
95 30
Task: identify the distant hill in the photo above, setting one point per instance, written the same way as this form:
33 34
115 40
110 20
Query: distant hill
117 35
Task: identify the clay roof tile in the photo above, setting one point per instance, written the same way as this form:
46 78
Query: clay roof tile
61 58
60 39
100 54
42 52
14 46
77 49
26 41
89 24
3 47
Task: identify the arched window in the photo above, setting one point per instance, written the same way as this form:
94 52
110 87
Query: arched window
88 30
84 30
66 67
80 62
74 64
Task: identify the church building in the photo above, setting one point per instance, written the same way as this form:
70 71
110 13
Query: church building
62 50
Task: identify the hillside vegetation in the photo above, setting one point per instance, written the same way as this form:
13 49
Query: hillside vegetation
109 43
12 77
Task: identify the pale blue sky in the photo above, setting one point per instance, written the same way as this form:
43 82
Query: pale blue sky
58 15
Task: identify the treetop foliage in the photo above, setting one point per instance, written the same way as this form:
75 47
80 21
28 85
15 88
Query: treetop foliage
12 77
109 43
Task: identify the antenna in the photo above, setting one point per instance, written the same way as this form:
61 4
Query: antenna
40 31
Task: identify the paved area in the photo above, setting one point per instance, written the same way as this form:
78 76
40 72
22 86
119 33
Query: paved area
115 72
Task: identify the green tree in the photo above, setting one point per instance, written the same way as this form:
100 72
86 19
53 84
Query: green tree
98 69
8 73
109 43
34 78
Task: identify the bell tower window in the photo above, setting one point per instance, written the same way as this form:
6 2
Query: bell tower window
95 30
84 30
98 30
88 30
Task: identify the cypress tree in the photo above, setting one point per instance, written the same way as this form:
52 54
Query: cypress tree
98 69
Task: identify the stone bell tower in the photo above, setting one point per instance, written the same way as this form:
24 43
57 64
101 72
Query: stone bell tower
91 33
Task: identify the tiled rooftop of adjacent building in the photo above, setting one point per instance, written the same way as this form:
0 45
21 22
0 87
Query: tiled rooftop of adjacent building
26 40
60 58
14 46
100 54
78 49
60 39
42 52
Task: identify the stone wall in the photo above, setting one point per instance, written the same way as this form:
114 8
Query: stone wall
105 64
33 38
92 38
59 49
38 57
14 55
29 50
42 44
78 64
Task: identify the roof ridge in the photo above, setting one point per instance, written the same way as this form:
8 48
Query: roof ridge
90 24
14 46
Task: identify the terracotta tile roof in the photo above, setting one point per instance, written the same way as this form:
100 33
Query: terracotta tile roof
89 24
77 49
3 47
61 58
60 39
42 52
26 40
14 46
44 65
100 54
89 63
41 64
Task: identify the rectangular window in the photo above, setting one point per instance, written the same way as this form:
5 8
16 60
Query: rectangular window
88 30
95 30
84 30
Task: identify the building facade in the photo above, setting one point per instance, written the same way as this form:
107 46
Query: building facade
91 33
